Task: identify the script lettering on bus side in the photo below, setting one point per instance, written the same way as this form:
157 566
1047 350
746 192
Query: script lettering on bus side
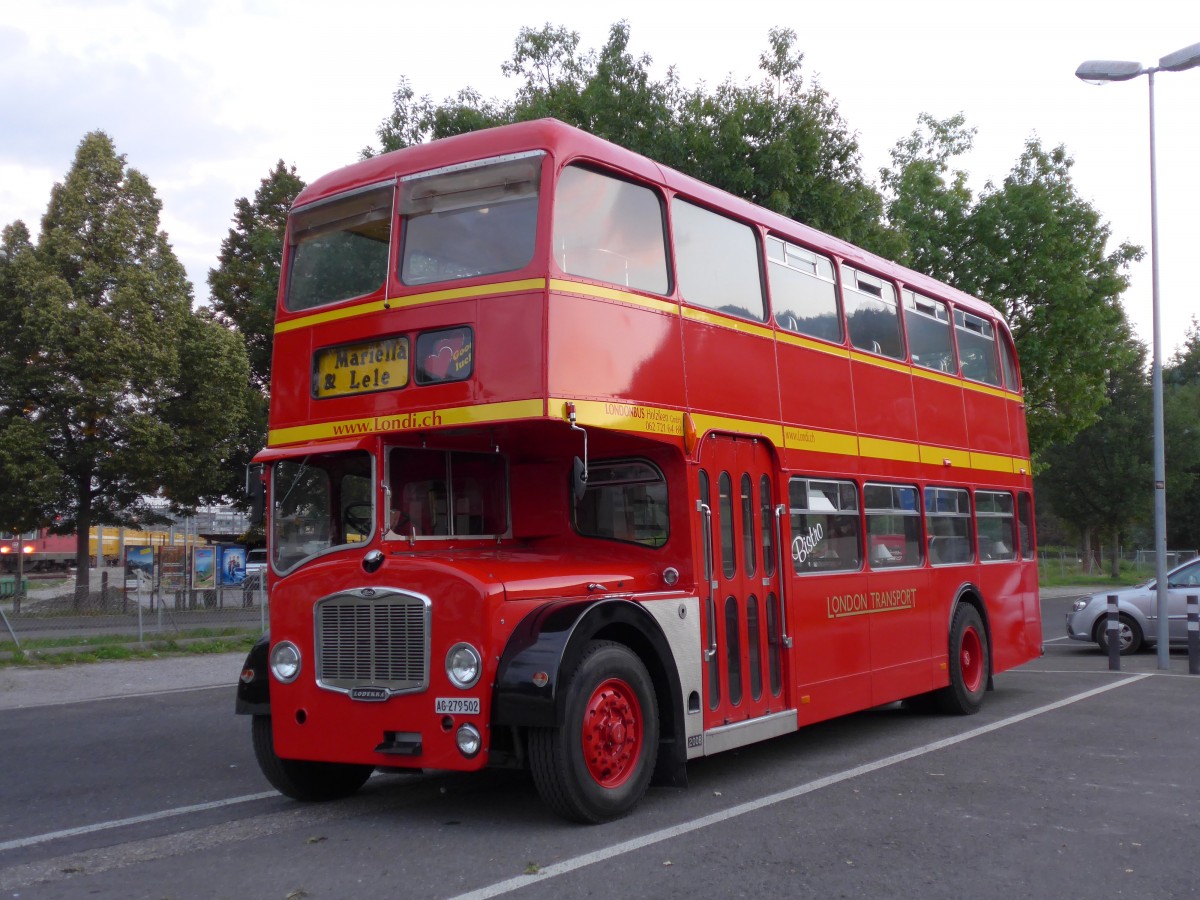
863 603
804 544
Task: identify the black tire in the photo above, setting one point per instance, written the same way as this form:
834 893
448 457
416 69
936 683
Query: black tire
301 779
597 765
970 664
1130 634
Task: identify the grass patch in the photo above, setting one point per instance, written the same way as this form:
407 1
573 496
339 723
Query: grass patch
67 651
1127 578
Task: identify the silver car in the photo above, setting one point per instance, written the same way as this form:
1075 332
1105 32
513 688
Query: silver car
1138 609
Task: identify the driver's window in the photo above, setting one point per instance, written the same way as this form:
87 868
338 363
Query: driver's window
357 509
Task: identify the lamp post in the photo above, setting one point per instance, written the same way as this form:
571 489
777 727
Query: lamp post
1099 71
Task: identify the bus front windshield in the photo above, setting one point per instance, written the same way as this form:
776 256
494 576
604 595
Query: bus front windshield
320 502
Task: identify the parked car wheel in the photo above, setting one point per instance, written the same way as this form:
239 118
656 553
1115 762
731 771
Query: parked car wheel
1129 635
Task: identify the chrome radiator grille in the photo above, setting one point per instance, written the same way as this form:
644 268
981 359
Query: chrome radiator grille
380 640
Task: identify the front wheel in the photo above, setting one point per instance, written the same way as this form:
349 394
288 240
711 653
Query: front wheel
968 664
303 779
597 765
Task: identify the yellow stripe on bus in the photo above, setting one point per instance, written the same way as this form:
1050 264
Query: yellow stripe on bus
606 293
699 315
407 421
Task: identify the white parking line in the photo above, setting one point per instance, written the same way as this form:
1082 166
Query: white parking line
132 820
570 865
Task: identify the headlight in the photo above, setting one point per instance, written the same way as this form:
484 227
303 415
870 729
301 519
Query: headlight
1081 603
463 665
469 740
285 661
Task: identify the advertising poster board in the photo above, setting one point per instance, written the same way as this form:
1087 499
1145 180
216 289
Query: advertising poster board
172 568
204 568
232 565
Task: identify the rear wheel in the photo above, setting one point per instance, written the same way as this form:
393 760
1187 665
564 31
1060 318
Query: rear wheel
969 664
597 765
302 779
1129 634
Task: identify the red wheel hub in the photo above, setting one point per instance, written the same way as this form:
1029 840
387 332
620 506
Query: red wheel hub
612 733
970 660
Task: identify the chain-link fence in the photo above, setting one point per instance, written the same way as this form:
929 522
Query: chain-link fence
1135 563
117 609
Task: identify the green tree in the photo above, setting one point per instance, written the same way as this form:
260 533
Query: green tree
929 201
106 366
1181 440
1035 250
243 288
780 143
1039 252
245 282
1100 480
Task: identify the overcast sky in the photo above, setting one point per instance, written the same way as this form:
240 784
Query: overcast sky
204 96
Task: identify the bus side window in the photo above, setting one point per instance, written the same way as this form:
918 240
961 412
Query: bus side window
930 340
872 314
948 523
803 291
976 348
717 259
994 521
610 230
1025 524
893 525
826 535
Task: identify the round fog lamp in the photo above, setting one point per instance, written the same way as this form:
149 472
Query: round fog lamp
468 739
463 665
285 661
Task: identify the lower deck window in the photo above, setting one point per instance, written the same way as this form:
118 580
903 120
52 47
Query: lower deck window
893 525
826 535
440 493
625 501
994 515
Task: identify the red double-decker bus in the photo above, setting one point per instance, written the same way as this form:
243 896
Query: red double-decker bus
581 465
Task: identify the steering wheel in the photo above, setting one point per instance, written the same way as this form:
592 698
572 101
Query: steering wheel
357 517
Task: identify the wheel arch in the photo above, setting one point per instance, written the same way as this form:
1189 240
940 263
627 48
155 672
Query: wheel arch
551 639
254 683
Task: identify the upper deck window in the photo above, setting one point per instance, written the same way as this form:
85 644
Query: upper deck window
339 247
609 230
473 219
977 348
717 259
927 323
1009 359
803 291
871 313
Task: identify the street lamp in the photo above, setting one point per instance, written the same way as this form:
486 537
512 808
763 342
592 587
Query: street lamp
1099 71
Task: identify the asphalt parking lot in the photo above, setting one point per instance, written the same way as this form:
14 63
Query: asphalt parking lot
1073 781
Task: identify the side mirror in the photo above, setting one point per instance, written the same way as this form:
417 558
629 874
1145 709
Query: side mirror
256 490
578 478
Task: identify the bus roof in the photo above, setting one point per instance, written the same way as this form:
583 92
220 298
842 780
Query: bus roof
567 143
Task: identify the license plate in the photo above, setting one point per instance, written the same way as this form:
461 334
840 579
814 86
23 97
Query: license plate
364 368
456 706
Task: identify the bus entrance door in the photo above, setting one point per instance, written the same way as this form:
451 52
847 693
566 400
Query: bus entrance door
742 617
